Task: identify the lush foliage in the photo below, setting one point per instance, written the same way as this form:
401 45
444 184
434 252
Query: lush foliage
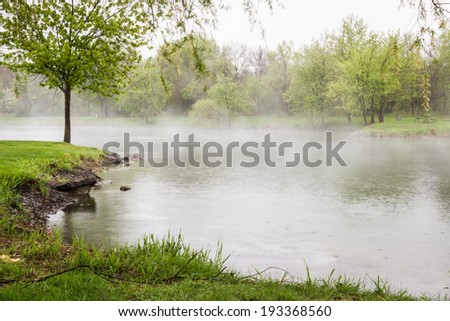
145 96
208 112
350 72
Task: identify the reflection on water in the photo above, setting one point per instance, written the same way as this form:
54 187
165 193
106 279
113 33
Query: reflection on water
387 213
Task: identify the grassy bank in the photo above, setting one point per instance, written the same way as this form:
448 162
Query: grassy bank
408 127
36 265
35 163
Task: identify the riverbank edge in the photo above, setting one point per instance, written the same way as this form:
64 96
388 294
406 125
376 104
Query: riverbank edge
31 254
58 195
406 129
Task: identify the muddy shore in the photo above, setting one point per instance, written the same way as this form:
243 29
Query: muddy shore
66 188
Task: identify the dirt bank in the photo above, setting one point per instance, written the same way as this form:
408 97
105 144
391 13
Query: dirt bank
64 189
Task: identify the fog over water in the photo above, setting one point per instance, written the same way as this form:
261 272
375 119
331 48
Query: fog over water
387 213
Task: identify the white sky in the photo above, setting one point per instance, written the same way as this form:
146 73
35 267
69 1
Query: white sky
303 20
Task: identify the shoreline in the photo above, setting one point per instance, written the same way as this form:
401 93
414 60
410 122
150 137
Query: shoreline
59 195
391 128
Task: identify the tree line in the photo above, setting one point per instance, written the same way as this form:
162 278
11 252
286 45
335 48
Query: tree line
350 72
92 46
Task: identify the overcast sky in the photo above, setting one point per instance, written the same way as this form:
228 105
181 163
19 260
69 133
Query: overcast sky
303 20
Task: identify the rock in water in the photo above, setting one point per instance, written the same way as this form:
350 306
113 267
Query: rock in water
125 188
113 158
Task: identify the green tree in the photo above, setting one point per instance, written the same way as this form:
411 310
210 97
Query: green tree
209 112
145 96
187 70
312 75
278 76
368 72
411 66
74 45
352 34
440 74
232 96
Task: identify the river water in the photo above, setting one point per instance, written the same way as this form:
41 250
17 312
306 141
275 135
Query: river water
386 214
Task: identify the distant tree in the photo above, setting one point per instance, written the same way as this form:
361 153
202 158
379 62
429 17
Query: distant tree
7 101
232 96
6 77
368 70
312 75
259 61
22 93
278 76
266 100
209 112
188 71
238 56
440 75
7 96
145 96
411 67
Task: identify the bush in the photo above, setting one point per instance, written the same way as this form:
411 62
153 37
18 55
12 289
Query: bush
208 111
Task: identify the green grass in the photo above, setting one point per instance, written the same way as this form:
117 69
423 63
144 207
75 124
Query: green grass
409 128
36 265
159 270
35 162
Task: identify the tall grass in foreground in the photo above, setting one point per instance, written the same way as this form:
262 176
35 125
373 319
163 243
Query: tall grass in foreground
150 261
155 269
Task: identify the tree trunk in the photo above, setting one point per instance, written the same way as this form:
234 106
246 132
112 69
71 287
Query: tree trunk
381 112
363 109
372 111
349 118
67 130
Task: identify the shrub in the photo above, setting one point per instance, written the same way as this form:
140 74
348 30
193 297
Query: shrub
208 111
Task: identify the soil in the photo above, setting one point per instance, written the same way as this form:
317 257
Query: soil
66 189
